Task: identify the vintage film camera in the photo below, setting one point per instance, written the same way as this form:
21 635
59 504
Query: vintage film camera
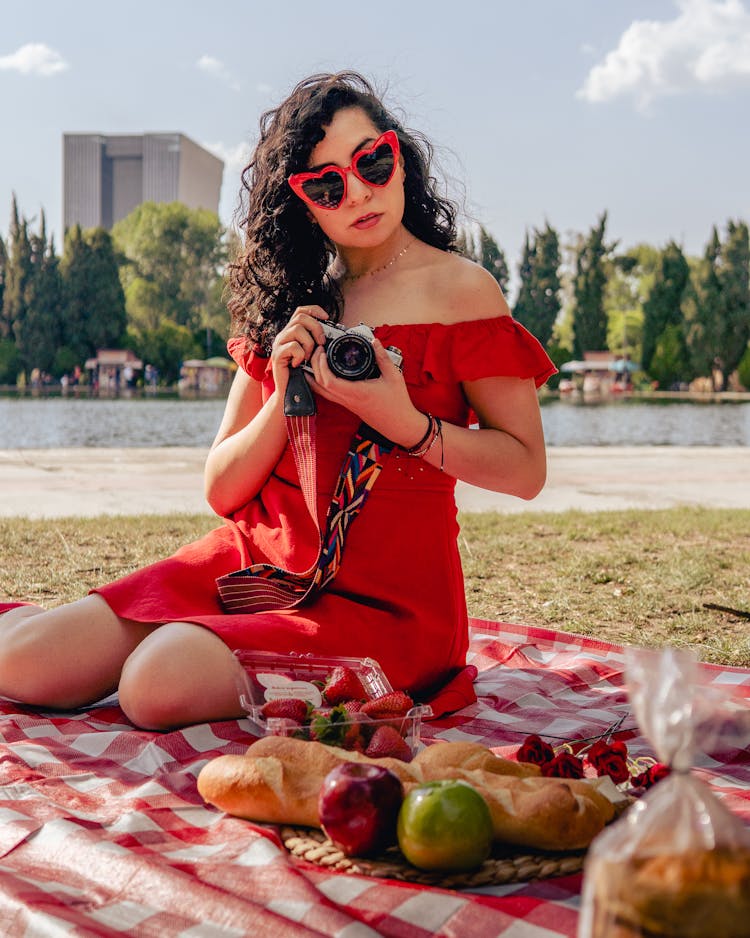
350 353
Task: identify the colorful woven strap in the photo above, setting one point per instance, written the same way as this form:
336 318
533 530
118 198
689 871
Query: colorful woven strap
261 587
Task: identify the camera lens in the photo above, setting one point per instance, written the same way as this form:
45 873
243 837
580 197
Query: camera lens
351 356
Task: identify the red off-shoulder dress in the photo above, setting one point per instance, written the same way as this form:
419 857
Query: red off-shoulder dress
399 594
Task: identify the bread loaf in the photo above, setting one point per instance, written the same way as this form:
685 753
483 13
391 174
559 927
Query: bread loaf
700 894
541 813
467 755
279 780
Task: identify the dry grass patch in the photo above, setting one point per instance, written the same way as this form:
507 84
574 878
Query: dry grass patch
634 577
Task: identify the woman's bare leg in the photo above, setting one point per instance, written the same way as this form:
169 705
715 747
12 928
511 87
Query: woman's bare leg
65 657
180 674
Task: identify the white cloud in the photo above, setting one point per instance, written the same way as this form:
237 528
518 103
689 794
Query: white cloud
706 46
35 58
216 68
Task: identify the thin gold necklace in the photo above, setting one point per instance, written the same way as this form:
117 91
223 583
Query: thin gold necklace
368 273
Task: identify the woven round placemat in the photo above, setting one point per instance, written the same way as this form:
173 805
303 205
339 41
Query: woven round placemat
312 845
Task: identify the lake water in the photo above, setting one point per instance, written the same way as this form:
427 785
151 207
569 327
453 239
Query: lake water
38 423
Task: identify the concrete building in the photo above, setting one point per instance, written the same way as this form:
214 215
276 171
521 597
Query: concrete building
105 176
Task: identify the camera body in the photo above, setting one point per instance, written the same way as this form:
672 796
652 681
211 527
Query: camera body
350 353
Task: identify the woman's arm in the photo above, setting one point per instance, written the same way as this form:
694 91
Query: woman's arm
507 453
253 434
250 441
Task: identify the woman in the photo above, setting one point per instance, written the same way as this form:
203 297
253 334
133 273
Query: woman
342 224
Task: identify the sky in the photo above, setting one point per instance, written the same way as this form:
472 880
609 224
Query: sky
540 110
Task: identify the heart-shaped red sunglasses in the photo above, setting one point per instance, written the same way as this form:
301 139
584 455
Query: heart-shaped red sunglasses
374 165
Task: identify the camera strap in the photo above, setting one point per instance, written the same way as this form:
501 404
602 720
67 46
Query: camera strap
262 587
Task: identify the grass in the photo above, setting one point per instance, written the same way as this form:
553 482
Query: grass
630 577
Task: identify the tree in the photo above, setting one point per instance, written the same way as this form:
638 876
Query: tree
491 257
663 309
718 306
94 304
703 309
590 279
172 259
3 266
166 348
482 248
630 280
538 304
19 273
734 277
39 334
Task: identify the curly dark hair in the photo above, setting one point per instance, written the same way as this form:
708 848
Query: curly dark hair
284 257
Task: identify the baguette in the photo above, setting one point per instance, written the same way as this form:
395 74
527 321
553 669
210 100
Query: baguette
279 779
540 813
466 755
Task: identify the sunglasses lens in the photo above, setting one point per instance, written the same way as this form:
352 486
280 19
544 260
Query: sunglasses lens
326 190
377 167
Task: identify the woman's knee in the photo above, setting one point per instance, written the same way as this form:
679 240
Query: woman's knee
180 674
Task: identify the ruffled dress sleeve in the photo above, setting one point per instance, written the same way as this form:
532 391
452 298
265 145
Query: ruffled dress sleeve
249 358
468 350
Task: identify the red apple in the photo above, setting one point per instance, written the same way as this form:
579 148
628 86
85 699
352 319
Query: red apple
358 807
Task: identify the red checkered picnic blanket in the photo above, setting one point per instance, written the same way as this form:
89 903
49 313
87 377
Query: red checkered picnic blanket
102 831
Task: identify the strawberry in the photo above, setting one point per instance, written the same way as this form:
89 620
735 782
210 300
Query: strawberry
395 704
386 741
343 684
290 708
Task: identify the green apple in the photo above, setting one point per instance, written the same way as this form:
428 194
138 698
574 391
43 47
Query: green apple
445 825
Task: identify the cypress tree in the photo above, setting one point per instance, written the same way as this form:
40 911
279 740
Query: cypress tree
589 317
523 310
107 318
538 304
734 276
492 258
76 293
38 335
663 320
3 265
703 310
18 277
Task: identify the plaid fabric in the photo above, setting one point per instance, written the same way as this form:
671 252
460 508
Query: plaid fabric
102 831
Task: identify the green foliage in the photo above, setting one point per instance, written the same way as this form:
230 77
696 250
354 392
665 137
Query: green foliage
630 280
663 309
166 347
668 365
172 261
93 301
538 303
19 273
38 334
735 283
484 250
10 362
743 370
590 319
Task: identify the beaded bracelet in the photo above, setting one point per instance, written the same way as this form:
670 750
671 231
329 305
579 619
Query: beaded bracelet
414 450
435 426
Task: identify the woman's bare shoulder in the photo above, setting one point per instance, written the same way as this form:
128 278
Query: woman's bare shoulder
464 289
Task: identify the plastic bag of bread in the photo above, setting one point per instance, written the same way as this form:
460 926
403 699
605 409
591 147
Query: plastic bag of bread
677 864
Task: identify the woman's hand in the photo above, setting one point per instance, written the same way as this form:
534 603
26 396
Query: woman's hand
295 343
383 403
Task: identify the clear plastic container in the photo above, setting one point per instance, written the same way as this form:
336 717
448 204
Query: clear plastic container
267 676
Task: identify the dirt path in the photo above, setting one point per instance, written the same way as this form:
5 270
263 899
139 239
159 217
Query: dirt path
67 482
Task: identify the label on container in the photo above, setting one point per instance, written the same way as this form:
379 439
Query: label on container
280 687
